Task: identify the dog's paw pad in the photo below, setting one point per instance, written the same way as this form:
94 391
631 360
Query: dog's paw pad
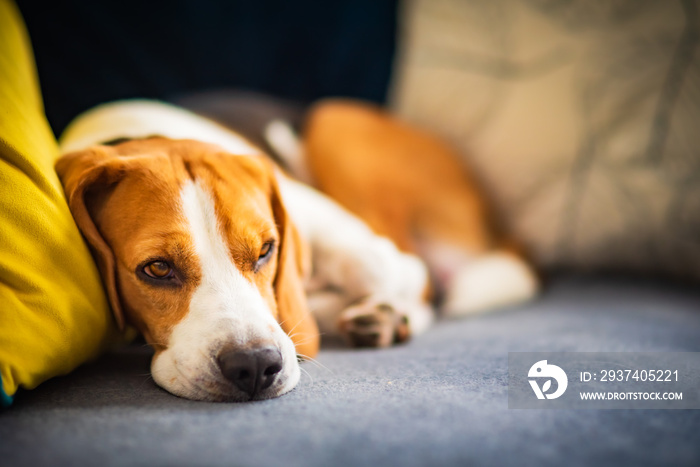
373 325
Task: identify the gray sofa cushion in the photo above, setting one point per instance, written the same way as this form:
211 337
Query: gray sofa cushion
440 400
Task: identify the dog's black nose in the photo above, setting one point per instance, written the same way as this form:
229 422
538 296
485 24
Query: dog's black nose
251 370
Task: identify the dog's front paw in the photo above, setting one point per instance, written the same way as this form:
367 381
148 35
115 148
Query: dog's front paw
371 324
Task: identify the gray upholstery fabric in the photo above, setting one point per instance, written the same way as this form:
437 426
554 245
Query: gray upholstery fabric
440 400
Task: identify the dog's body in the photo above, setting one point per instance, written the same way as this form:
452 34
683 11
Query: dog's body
209 249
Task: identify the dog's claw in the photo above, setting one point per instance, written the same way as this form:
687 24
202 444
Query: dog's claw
373 325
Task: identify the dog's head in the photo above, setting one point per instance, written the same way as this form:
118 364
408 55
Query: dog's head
197 252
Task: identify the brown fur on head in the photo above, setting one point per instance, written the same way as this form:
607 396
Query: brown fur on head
125 200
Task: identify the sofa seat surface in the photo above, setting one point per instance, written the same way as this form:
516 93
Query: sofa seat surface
439 400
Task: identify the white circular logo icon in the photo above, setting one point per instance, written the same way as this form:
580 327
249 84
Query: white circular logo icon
542 370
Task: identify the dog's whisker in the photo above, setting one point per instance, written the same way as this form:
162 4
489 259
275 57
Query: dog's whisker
310 338
315 362
147 379
320 366
311 379
319 334
282 322
300 334
295 326
302 342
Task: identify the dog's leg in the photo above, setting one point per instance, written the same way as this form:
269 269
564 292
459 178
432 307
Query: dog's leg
364 288
490 281
413 188
374 322
473 267
475 281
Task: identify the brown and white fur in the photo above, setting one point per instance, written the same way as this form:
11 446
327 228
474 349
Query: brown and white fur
228 321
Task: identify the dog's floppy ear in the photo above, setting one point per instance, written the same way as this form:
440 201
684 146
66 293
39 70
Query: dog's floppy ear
293 312
87 176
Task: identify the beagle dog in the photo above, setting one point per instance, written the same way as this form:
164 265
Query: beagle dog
230 268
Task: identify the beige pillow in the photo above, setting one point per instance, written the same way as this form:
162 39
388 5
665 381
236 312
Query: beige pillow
582 119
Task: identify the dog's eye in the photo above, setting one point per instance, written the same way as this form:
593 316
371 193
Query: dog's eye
265 254
265 251
158 270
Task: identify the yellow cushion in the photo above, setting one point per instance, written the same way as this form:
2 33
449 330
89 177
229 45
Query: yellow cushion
53 311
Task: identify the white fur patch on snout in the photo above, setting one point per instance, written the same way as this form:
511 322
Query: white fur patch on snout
488 282
225 310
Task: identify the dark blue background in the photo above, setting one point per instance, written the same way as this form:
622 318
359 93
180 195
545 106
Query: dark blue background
89 52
